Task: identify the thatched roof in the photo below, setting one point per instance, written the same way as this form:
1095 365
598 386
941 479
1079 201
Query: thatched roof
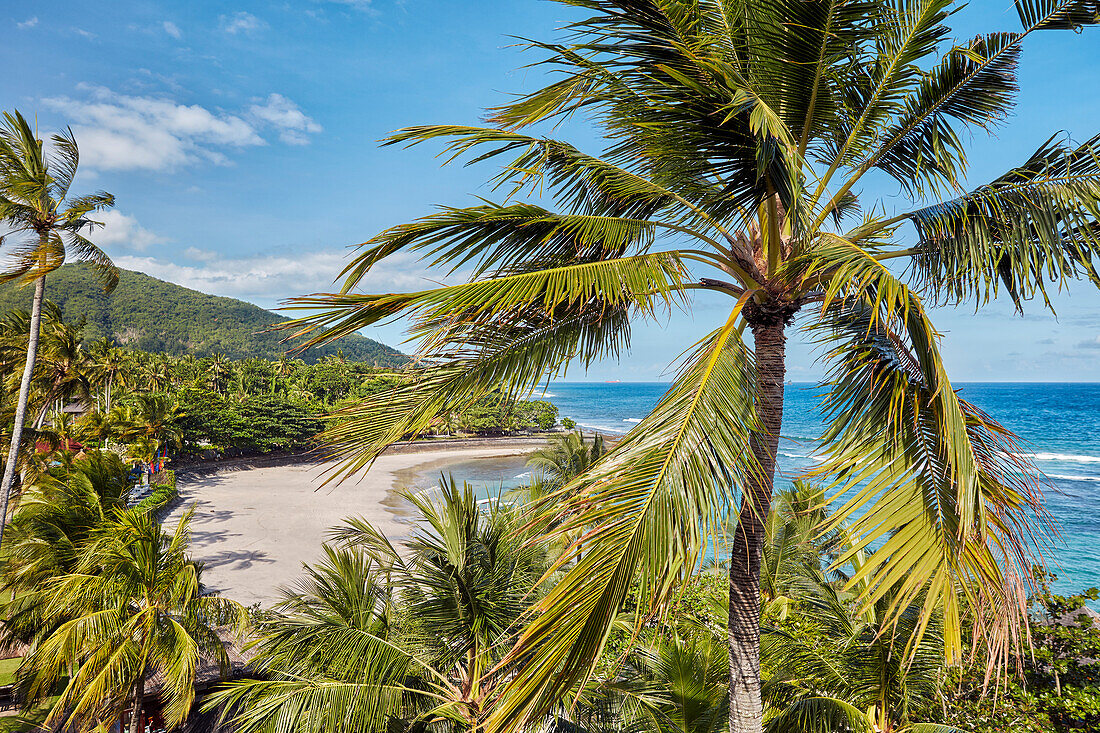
1070 618
208 673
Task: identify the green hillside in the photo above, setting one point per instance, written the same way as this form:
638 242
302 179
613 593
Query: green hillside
153 315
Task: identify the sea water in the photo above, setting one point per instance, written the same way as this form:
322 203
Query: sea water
1058 424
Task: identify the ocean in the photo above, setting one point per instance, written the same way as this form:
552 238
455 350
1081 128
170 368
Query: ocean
1059 424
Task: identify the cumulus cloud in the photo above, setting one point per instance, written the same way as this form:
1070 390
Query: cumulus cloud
1093 343
292 123
270 278
121 132
123 230
172 29
241 22
28 23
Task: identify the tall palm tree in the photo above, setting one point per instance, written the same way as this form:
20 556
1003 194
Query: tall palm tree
157 374
741 136
109 364
133 608
44 224
218 372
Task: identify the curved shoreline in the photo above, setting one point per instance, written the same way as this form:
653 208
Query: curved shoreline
257 522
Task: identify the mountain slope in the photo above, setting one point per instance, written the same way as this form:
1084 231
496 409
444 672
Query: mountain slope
153 315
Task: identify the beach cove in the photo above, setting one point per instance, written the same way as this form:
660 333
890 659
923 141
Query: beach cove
254 527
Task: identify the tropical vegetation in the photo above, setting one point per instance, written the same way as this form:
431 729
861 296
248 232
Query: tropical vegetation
104 601
143 405
744 140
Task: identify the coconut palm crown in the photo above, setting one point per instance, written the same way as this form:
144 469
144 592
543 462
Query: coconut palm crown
740 137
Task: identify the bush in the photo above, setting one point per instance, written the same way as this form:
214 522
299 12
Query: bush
164 491
257 424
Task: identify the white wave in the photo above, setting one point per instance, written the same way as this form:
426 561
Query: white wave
792 455
525 474
1065 477
632 419
1066 457
616 429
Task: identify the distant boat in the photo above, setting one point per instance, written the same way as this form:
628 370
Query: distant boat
612 381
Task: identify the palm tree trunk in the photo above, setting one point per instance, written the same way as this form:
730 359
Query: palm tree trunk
136 710
746 708
21 405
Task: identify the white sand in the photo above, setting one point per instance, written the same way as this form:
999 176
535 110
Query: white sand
253 529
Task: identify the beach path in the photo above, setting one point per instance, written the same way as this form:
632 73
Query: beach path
252 529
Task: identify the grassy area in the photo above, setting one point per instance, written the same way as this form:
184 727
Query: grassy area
27 722
163 492
7 669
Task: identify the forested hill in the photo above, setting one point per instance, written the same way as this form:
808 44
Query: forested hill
153 315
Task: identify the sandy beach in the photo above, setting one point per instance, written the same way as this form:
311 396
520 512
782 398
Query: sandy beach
253 528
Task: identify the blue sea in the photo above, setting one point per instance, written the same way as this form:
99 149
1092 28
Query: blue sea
1058 424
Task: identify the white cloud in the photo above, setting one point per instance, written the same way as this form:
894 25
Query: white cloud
285 116
201 255
241 22
28 23
120 132
123 230
269 279
85 34
172 29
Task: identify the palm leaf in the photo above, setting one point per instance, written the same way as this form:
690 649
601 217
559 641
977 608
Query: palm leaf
649 507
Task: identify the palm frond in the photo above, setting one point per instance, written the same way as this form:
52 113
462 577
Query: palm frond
934 481
649 507
1039 223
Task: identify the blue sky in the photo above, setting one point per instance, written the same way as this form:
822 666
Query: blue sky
241 143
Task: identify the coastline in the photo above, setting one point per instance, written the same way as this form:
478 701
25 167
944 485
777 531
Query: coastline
256 522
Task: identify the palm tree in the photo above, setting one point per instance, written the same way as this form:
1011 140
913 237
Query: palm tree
740 137
63 368
677 683
566 457
218 372
109 364
44 224
157 375
858 674
378 634
58 512
153 417
133 608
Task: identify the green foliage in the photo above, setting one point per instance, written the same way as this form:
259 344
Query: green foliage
565 457
737 137
495 414
1059 686
133 609
256 424
147 314
57 513
164 491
